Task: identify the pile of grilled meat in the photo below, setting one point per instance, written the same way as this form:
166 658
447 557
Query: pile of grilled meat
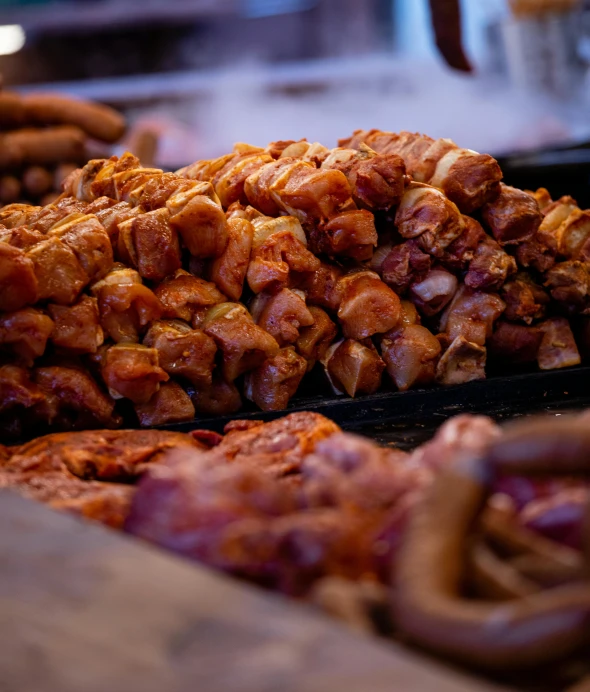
393 260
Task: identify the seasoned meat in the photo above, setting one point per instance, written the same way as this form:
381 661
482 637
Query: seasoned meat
133 372
76 328
271 385
24 333
170 404
184 296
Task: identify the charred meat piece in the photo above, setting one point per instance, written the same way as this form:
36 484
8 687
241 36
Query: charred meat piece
315 339
184 296
558 347
150 244
463 361
367 306
353 367
133 372
183 351
243 344
471 315
25 333
411 355
405 264
228 271
126 306
513 216
348 234
170 404
514 343
282 314
434 291
77 327
271 385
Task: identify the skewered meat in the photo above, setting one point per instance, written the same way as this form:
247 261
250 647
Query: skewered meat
76 328
182 351
462 250
18 394
467 178
25 333
60 276
353 367
490 266
170 404
217 399
243 344
472 314
405 264
186 297
321 286
410 356
513 216
228 271
569 284
133 372
367 306
282 314
271 385
525 300
18 281
514 343
376 180
126 306
315 339
347 234
463 361
434 291
558 347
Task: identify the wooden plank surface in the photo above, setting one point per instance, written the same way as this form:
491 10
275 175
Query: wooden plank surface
84 609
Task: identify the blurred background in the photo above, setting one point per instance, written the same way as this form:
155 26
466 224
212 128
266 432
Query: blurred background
203 74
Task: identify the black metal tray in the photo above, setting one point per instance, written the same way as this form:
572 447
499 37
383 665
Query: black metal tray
408 418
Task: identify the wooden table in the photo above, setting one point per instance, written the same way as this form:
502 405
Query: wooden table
84 609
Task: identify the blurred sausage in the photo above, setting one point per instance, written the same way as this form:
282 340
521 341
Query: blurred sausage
37 181
51 145
10 189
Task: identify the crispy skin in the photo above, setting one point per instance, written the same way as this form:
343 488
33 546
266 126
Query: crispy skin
513 216
368 306
558 347
170 404
471 315
411 355
281 315
228 271
348 234
243 344
182 351
25 333
404 265
273 384
183 296
354 368
133 372
464 361
514 343
76 328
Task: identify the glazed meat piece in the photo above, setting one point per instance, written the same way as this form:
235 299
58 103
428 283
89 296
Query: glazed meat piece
558 347
74 400
183 351
348 234
525 300
133 372
376 180
467 178
228 271
434 291
573 235
111 217
554 215
60 276
513 216
185 297
321 286
25 333
462 362
243 344
282 314
490 266
129 184
200 220
535 254
12 215
461 251
314 340
279 254
353 367
76 328
271 385
126 306
569 284
150 244
217 399
170 404
471 315
157 190
295 187
89 242
405 264
425 213
230 180
18 281
367 306
410 354
514 343
21 237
